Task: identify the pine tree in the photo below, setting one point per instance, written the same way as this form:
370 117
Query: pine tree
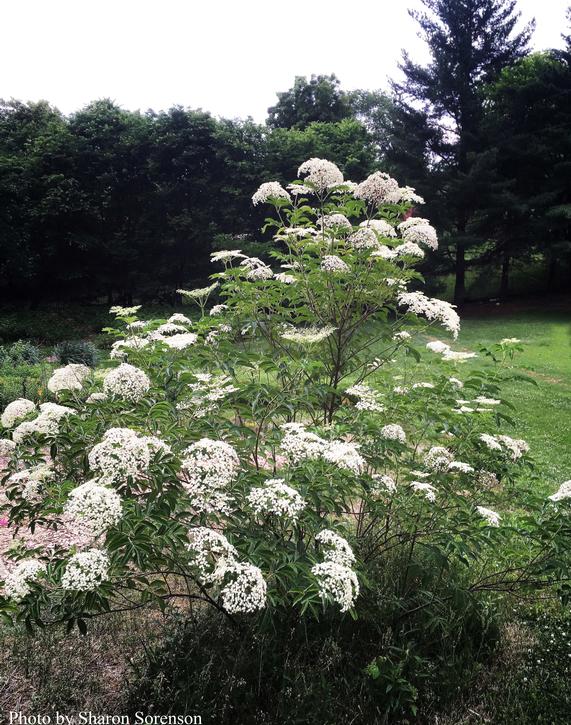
470 42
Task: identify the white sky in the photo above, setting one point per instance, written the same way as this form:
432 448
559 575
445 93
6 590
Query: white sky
225 56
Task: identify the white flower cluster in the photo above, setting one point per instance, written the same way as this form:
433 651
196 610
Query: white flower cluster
363 239
514 446
96 398
179 319
490 516
126 382
201 293
409 249
381 226
438 458
437 346
210 550
257 270
31 481
276 497
334 221
376 189
98 506
268 191
335 577
299 444
383 483
46 424
563 492
121 454
419 231
432 309
457 356
17 583
207 393
404 194
367 398
460 466
393 432
119 311
246 591
320 174
427 489
217 310
70 377
308 335
209 467
402 335
120 349
487 479
86 570
17 410
226 255
285 278
384 252
7 448
332 263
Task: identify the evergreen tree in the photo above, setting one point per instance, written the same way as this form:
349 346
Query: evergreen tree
470 42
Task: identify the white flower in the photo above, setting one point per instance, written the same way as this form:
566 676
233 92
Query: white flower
86 570
338 582
563 492
97 506
438 458
402 335
367 398
182 341
217 310
345 455
121 454
333 263
16 411
268 191
308 335
423 386
460 466
226 255
486 401
330 221
409 249
432 309
96 398
490 442
119 311
404 194
179 319
121 348
487 479
437 346
383 483
376 189
7 448
275 497
46 424
421 234
510 341
364 238
285 278
198 294
31 480
17 583
320 175
515 446
209 467
412 221
256 269
70 377
456 383
384 252
127 382
210 550
491 517
393 432
246 590
457 356
382 227
335 547
299 444
207 393
426 488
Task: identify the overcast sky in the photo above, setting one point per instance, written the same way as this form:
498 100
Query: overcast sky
226 56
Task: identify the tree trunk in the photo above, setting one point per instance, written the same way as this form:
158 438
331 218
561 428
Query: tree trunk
505 280
460 282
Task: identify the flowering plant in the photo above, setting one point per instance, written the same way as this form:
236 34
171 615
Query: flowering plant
278 453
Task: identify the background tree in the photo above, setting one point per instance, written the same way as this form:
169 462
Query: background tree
319 99
470 42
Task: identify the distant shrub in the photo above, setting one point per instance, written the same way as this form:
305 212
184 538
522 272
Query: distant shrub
76 351
23 381
20 352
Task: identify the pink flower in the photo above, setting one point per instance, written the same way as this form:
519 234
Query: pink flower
4 521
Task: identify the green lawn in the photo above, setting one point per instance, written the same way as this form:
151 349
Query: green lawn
543 412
